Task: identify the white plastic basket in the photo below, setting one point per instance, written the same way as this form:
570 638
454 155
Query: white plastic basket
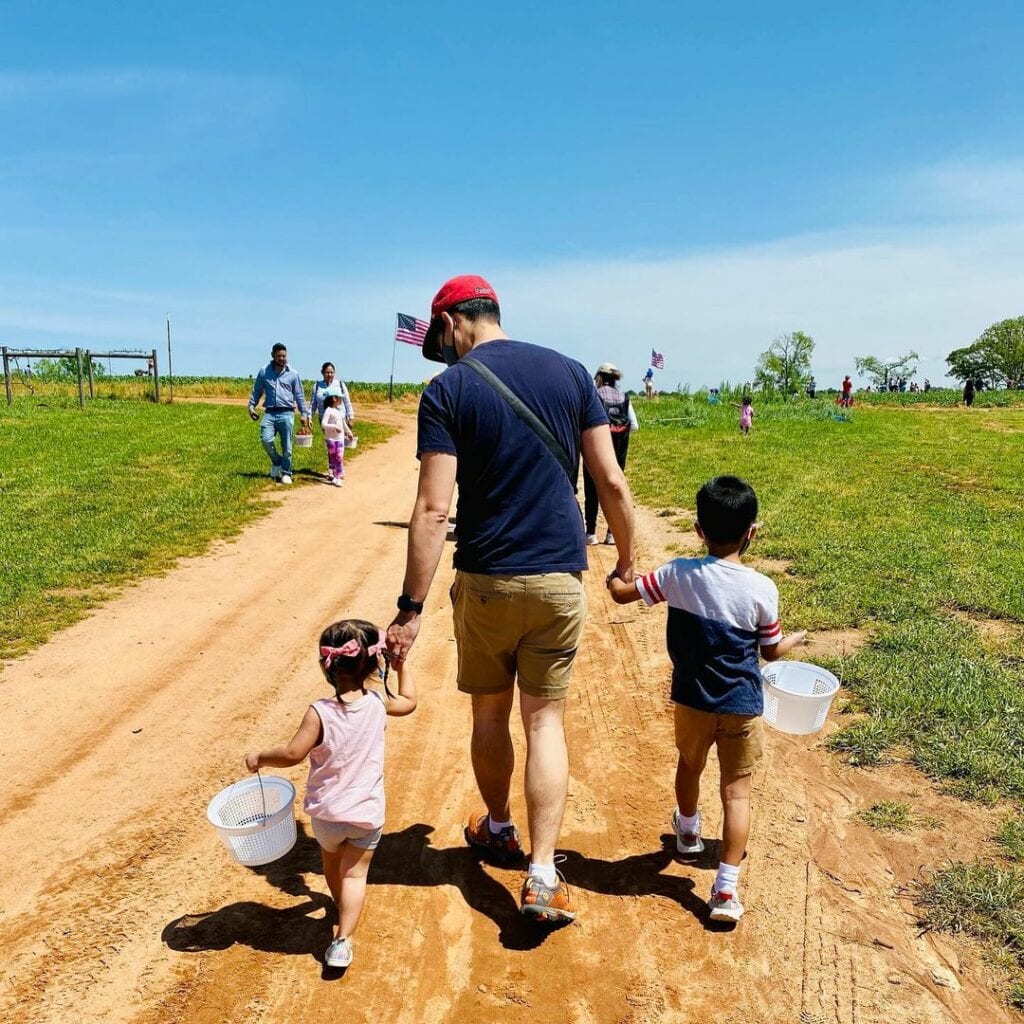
352 442
797 696
255 819
303 440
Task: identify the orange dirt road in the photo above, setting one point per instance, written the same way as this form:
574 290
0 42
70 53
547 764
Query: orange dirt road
119 904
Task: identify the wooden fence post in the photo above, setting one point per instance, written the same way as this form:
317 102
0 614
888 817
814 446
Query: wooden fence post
156 379
81 390
7 377
88 366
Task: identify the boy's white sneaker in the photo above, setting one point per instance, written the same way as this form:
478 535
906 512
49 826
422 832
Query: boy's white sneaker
285 478
725 906
339 953
591 538
687 842
275 472
608 538
337 481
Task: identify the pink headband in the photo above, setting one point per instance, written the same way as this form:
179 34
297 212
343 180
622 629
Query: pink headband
350 649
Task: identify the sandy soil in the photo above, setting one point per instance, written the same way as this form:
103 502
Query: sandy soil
119 905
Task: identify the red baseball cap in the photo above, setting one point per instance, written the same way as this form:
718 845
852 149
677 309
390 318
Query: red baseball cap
451 293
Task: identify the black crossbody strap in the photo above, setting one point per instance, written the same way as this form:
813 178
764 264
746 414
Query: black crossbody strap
526 414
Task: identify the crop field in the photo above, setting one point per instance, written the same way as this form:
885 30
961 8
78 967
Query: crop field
904 524
90 499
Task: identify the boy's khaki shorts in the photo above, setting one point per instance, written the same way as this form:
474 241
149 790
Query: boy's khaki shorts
738 738
518 626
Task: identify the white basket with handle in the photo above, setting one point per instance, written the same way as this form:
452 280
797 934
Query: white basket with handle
797 696
255 819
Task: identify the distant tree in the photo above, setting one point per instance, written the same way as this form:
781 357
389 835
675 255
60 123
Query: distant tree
881 371
66 368
995 358
786 363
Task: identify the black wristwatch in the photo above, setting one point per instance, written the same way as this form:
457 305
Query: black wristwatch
407 604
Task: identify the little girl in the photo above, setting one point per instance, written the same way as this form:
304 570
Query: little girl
343 736
746 414
336 431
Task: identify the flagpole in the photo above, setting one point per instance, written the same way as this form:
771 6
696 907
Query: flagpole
394 349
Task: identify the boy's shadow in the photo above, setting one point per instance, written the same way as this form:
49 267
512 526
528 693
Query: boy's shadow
403 858
642 875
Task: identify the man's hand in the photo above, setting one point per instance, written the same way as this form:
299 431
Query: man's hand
305 421
402 635
253 414
252 761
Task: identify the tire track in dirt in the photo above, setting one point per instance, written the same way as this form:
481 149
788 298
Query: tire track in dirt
119 904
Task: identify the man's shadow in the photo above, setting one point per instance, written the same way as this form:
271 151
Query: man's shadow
642 875
403 858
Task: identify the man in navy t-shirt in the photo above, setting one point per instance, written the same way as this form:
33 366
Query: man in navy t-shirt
518 599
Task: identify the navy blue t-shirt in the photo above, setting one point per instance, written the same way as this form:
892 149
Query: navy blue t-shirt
517 511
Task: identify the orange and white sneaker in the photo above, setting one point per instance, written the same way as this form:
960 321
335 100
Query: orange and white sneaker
725 906
502 848
688 843
547 902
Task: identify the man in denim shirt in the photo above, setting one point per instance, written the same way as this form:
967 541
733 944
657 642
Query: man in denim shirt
280 387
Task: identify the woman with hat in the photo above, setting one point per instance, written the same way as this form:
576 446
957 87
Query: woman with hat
622 420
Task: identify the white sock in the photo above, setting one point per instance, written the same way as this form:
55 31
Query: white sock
545 872
686 823
496 826
728 878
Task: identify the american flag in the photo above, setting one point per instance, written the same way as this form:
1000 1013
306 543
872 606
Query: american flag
657 360
410 330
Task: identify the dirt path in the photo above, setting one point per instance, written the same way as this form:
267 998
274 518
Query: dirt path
118 904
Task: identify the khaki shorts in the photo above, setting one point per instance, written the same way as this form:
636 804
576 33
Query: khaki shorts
525 627
738 738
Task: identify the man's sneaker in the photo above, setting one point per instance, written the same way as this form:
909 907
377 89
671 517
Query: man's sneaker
591 538
687 842
725 906
286 478
275 472
339 953
608 538
337 481
502 848
546 902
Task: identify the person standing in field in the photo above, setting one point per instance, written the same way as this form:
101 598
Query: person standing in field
280 388
746 414
969 390
649 383
847 398
622 422
518 598
721 615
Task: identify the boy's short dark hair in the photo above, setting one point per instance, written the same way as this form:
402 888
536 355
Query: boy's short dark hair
726 508
478 309
278 347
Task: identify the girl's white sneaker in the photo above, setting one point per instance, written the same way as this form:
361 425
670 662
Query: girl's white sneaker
725 906
339 953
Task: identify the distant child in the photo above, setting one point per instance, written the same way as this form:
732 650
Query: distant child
746 414
720 613
336 431
343 736
846 398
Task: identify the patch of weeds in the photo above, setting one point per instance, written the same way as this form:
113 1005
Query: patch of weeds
864 742
888 816
1011 836
986 902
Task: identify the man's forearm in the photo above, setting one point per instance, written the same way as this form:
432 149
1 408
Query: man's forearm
427 532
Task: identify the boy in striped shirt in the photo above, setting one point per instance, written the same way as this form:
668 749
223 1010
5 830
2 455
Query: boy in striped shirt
721 613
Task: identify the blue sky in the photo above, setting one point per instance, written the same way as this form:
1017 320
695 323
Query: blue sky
627 176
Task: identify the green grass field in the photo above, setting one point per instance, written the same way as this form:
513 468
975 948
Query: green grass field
91 499
904 522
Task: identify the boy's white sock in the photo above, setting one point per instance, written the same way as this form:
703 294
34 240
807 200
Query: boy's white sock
545 872
728 878
688 823
496 826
